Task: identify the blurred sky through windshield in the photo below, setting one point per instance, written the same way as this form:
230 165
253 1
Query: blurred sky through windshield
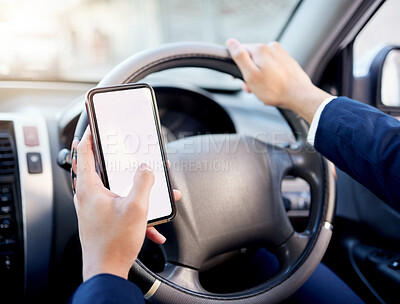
81 40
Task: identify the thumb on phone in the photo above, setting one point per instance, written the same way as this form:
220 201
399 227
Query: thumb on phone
139 194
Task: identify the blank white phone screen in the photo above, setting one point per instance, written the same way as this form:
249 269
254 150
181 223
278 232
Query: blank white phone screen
128 137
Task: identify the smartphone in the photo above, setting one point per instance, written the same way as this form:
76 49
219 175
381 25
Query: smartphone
126 132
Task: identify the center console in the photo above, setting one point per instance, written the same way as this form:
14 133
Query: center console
25 206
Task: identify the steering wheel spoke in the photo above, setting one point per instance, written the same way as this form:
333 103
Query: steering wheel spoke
307 164
183 276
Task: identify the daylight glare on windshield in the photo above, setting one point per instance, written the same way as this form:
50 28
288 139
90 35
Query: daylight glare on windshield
81 40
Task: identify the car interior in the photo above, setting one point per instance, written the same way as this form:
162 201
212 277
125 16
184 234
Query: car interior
263 191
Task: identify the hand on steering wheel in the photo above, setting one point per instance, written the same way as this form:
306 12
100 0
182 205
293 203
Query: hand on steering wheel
276 78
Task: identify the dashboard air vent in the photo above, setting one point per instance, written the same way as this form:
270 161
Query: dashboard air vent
7 159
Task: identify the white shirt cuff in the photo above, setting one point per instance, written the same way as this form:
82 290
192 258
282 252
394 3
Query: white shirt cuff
314 124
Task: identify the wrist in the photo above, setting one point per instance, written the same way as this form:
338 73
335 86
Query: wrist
307 105
89 272
93 267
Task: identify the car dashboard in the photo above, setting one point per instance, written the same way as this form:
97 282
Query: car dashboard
39 245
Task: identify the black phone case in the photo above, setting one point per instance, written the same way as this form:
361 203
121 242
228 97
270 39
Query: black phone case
99 158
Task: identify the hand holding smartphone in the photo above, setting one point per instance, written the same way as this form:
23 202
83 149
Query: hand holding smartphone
126 132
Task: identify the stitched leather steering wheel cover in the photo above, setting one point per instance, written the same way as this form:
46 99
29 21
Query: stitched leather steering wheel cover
156 288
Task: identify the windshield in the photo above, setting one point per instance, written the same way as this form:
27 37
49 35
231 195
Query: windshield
81 40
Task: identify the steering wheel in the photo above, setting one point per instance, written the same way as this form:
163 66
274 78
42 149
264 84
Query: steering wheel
236 205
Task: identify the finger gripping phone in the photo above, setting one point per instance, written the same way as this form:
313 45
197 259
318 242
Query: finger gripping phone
126 133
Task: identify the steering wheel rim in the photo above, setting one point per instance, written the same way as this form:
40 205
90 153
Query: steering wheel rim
156 288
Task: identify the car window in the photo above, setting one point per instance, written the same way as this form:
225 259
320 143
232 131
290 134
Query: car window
82 40
383 28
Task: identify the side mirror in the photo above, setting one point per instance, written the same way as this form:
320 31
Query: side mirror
390 82
385 77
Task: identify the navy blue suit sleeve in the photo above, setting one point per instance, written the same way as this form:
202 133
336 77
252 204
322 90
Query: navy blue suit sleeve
107 288
363 142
